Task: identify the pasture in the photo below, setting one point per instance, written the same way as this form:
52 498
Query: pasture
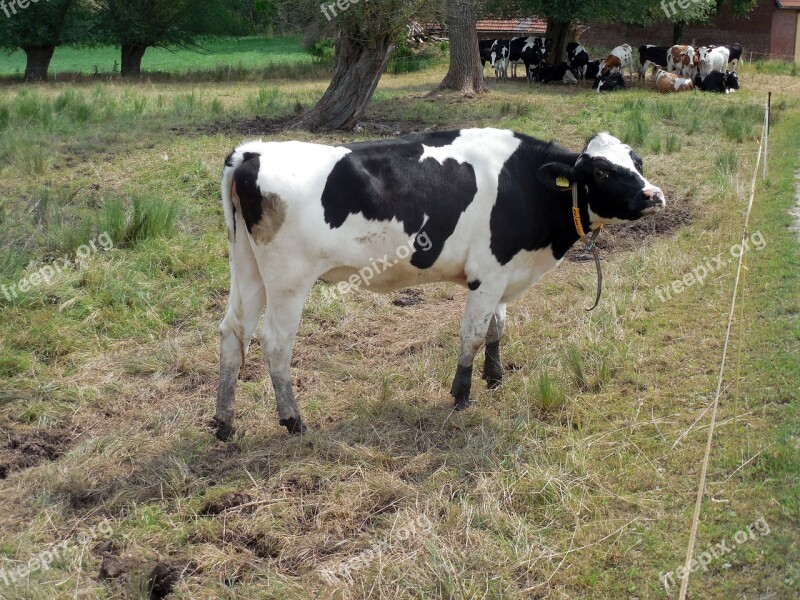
575 479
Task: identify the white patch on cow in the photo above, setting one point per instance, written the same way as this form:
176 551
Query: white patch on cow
526 268
680 82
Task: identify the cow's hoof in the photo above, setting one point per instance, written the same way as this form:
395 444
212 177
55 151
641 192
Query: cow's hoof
462 404
223 431
493 383
293 425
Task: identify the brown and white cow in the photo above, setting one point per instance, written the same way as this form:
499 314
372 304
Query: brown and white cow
669 83
682 60
619 59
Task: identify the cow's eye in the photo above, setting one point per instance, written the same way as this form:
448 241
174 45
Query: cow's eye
600 174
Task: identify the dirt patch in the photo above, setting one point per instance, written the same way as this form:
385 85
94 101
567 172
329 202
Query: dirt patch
224 503
122 571
627 236
29 448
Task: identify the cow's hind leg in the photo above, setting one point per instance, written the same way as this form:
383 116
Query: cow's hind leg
245 305
278 332
481 304
492 367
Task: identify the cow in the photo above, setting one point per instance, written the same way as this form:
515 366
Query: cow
609 83
578 58
712 59
668 83
650 55
499 57
735 51
487 209
560 72
716 81
485 51
618 60
531 51
593 69
682 60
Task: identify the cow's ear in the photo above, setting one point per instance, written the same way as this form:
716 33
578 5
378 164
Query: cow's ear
557 176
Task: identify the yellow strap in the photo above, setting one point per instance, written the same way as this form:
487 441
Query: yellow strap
576 216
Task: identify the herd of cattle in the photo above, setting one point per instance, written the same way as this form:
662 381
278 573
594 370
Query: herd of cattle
675 68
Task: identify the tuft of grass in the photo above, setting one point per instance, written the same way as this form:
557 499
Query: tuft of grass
550 396
725 163
636 129
672 143
146 218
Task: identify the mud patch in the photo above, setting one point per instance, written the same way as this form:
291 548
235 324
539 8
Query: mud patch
224 503
408 297
25 449
273 213
165 575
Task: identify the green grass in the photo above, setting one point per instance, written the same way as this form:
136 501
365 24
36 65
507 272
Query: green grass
565 482
216 53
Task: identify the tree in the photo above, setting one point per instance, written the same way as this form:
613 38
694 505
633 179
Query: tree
136 25
464 74
365 39
40 28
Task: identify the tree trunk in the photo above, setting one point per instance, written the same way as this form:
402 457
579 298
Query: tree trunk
38 61
465 74
132 55
356 73
677 31
560 34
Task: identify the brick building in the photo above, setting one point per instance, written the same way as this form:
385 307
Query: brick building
771 30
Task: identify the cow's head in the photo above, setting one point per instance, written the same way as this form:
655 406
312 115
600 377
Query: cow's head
731 81
609 173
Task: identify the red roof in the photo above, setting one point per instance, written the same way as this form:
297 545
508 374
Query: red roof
526 25
788 3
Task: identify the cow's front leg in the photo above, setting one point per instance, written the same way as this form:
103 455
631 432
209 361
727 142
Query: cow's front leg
278 332
481 304
492 367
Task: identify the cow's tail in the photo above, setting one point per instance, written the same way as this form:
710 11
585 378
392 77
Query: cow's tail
241 256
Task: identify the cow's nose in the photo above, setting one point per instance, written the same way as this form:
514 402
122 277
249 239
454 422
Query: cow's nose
655 195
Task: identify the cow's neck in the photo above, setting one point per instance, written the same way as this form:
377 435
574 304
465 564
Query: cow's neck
565 232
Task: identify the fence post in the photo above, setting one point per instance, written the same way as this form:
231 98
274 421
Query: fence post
767 116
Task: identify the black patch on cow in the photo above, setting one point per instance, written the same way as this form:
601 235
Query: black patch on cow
245 178
637 161
229 159
385 179
294 425
474 284
529 215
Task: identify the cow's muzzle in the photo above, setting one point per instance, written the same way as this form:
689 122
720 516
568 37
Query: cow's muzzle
655 198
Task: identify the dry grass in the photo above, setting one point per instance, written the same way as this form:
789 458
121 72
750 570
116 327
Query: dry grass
575 479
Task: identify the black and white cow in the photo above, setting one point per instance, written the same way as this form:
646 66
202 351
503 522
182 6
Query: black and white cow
593 68
560 72
716 81
485 51
609 83
530 51
649 56
578 58
735 51
488 209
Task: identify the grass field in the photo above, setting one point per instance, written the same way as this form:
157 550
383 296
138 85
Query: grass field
576 479
210 54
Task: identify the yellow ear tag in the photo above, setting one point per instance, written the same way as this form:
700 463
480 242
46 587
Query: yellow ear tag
562 181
